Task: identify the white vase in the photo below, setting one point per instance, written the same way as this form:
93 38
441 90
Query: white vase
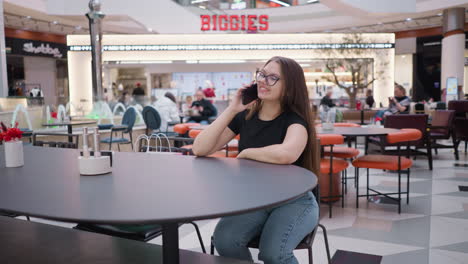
14 154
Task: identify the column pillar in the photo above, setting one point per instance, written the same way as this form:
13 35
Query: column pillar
453 47
3 64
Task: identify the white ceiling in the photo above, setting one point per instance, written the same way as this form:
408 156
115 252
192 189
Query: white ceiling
326 16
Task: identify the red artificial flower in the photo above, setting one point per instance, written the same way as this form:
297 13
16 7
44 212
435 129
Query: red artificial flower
13 134
6 137
53 115
8 134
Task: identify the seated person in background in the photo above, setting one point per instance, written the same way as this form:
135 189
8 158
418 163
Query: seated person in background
327 108
167 108
139 94
369 99
398 104
138 90
125 99
187 106
204 108
36 92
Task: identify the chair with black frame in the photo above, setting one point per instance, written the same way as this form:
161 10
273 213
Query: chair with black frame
128 121
308 240
442 128
397 163
142 232
38 140
460 122
406 121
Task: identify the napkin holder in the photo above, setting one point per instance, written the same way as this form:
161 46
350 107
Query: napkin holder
94 162
94 165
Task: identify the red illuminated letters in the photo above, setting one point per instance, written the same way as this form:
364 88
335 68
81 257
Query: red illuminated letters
234 25
234 22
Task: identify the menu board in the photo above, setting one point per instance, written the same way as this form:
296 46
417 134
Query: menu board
452 86
189 82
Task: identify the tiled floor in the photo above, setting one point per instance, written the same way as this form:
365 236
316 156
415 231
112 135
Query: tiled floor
433 228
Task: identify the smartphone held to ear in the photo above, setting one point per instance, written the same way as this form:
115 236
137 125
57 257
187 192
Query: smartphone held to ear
249 94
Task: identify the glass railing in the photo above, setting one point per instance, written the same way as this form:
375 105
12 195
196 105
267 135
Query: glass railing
242 4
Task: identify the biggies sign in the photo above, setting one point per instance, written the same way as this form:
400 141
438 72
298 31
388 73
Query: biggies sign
234 22
36 48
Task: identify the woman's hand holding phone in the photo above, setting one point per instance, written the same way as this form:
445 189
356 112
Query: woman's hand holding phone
236 103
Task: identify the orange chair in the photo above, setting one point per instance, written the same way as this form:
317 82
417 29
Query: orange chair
330 166
343 153
342 125
194 133
183 128
346 125
389 162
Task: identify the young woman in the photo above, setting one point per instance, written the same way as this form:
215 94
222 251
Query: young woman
277 128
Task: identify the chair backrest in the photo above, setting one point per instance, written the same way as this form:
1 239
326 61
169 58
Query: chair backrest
346 125
330 139
419 108
404 135
181 129
46 140
408 121
460 107
441 106
129 118
442 118
194 133
151 117
460 122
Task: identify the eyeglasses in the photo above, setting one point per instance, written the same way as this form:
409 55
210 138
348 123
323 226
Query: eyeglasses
270 80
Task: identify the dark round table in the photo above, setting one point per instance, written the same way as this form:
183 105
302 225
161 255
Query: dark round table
146 189
70 125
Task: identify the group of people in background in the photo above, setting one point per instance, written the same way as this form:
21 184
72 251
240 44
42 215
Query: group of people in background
399 103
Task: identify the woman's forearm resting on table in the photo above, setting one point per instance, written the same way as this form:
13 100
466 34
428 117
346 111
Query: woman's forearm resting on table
215 135
275 154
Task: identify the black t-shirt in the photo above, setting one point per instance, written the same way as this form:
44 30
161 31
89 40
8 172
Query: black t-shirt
256 133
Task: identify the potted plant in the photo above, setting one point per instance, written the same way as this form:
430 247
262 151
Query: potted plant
11 138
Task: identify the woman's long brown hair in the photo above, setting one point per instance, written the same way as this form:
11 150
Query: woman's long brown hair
295 98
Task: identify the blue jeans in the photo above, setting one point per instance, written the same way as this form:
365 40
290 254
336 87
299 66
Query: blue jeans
281 228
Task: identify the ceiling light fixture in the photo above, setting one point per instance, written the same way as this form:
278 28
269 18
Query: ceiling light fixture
439 14
78 27
280 2
55 22
380 23
409 19
202 7
312 1
28 17
149 29
198 1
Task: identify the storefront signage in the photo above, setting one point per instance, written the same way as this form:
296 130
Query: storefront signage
234 23
36 48
236 47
